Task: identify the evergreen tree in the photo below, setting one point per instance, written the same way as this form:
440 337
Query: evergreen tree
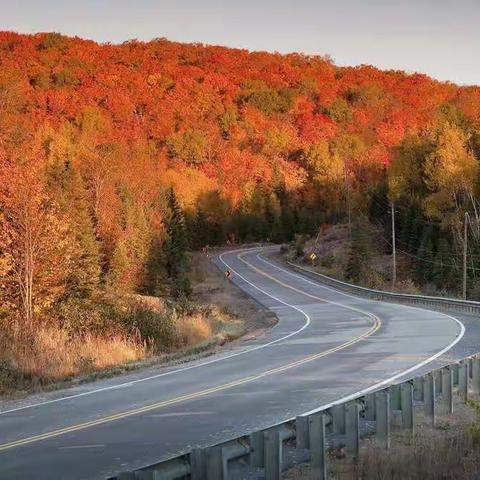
358 265
72 196
176 244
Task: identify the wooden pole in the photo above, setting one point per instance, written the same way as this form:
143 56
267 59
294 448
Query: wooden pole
394 251
465 240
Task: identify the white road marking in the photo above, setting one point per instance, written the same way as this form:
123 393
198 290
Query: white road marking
73 447
396 375
183 369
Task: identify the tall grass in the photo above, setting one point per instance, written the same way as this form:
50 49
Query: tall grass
452 453
82 339
44 353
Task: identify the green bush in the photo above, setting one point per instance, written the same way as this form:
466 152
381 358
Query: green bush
159 330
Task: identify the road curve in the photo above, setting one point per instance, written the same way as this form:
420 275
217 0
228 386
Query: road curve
326 346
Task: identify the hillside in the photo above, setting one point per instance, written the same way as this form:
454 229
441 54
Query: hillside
116 159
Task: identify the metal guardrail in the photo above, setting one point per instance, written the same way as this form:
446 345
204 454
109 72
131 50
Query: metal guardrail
266 453
435 303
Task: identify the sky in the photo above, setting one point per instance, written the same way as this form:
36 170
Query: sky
437 37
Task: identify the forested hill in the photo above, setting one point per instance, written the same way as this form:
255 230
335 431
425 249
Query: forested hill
255 145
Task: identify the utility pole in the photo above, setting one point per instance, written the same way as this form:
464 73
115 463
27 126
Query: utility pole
465 239
394 251
347 197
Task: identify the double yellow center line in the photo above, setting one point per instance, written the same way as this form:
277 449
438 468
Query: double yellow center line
202 393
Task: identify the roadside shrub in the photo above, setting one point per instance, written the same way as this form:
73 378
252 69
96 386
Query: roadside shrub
157 329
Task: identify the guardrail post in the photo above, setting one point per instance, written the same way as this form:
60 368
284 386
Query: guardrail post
145 475
370 407
418 388
257 446
198 464
317 440
438 381
447 388
463 378
475 375
338 419
382 407
395 400
126 476
302 424
456 370
352 428
429 395
395 404
216 464
273 455
408 415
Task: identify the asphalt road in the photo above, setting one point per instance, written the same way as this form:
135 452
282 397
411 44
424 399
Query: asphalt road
327 345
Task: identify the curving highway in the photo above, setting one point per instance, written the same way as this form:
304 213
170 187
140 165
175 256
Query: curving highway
327 345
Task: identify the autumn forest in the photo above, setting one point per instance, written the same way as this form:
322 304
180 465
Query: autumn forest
116 161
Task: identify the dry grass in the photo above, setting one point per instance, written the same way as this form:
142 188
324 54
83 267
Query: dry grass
193 329
435 454
88 339
448 451
45 353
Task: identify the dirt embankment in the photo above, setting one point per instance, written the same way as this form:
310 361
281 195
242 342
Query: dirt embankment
248 318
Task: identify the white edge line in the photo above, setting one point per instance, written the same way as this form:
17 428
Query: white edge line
393 377
344 399
183 369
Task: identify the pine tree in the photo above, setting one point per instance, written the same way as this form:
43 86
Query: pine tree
72 196
176 244
358 265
